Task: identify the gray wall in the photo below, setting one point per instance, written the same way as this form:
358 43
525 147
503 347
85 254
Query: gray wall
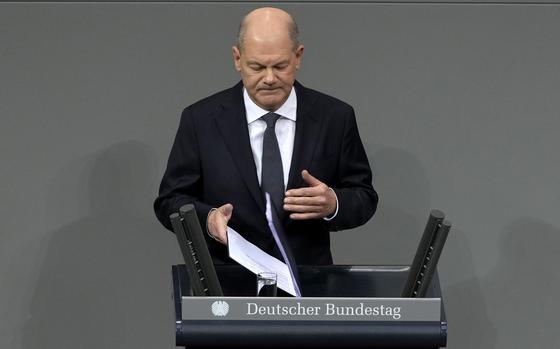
457 105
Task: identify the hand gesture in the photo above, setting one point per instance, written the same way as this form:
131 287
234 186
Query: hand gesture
312 202
217 222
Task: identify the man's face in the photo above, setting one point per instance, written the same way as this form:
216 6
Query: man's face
268 69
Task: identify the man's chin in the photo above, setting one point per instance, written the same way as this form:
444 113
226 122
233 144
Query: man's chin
270 104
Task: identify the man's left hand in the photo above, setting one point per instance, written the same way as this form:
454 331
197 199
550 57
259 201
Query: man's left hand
313 202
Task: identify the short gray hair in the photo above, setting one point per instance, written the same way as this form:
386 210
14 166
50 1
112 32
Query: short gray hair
293 31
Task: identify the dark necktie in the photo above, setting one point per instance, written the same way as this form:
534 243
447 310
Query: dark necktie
272 182
272 174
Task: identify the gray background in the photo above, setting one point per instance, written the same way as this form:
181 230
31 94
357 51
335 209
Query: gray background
457 105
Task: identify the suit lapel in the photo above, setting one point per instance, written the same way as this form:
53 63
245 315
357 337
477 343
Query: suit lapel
232 124
307 130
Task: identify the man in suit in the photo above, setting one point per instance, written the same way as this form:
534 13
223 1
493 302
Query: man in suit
228 152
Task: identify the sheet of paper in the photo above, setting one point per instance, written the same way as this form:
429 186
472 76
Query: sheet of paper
257 261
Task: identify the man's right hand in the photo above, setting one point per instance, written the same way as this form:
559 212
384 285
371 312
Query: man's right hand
217 222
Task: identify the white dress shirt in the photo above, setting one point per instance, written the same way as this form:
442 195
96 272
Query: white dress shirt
285 131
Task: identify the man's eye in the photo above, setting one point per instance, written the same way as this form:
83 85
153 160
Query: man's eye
256 67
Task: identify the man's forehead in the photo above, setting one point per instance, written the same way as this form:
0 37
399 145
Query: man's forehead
267 39
267 59
268 46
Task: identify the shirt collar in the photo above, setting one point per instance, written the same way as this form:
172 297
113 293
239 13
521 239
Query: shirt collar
287 110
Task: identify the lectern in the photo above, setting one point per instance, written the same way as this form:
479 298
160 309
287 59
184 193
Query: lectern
349 306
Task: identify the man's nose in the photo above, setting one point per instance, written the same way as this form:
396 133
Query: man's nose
269 77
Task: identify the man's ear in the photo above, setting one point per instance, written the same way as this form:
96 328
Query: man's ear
236 58
299 54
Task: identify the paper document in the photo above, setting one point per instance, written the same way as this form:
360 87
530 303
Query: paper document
258 261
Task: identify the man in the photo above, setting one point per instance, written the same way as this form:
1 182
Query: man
269 134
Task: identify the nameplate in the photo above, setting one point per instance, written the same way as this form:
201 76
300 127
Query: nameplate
311 309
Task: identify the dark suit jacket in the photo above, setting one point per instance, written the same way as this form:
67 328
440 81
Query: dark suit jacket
211 164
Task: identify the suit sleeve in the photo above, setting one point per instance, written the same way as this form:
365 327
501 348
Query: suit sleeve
356 197
182 181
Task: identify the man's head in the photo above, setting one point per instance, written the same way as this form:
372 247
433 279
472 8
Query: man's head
268 55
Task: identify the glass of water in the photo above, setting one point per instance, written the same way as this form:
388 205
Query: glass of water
266 284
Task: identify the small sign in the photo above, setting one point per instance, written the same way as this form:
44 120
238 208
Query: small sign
311 309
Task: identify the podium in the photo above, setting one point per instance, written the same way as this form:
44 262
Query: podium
350 306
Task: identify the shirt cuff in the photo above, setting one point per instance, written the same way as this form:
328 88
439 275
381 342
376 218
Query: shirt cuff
335 211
